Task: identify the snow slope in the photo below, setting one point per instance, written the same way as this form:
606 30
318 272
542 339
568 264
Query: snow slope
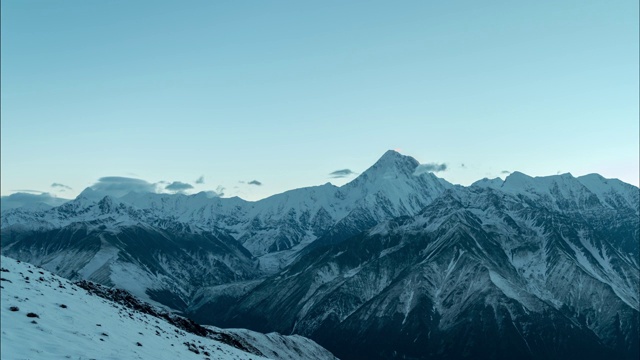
71 322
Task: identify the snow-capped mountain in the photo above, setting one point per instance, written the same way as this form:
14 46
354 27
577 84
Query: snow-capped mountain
397 263
568 193
479 273
157 245
391 187
48 317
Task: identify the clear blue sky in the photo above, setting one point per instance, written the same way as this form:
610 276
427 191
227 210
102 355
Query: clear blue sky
285 92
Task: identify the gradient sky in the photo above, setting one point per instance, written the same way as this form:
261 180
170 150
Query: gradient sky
286 92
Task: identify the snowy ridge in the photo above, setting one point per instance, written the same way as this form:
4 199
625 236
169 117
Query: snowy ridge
612 192
568 192
276 224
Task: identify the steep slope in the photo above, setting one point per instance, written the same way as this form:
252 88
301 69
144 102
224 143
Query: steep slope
612 192
478 273
166 263
608 203
47 317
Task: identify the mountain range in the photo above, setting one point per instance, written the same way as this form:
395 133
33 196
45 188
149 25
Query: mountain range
398 263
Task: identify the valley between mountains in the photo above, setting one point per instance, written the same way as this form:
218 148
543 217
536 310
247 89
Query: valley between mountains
398 263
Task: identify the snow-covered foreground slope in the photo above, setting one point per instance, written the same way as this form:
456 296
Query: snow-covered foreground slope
48 317
274 345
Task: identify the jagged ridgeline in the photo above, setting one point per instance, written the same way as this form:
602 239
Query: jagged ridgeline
397 263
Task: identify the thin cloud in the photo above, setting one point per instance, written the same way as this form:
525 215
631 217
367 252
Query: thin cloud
29 191
211 194
342 173
178 186
119 186
200 180
220 190
431 167
61 186
254 182
30 200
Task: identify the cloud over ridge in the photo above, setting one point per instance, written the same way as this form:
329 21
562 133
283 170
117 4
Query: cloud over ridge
342 173
178 186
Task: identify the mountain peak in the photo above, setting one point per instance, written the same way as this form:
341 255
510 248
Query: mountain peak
593 177
517 179
392 154
494 183
88 193
393 159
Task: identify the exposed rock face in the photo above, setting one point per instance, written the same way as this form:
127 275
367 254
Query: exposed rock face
479 273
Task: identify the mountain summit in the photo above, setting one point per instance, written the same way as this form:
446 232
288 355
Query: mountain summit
393 160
